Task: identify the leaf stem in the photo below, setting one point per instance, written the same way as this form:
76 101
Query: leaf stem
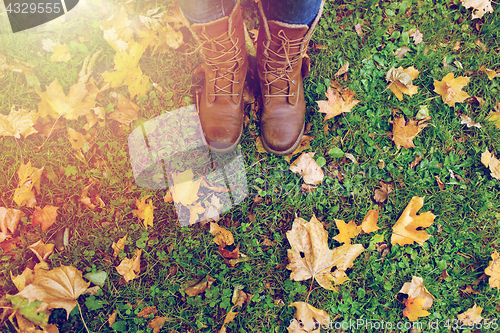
79 308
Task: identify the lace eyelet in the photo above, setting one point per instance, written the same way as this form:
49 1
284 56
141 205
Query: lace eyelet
237 82
293 94
238 95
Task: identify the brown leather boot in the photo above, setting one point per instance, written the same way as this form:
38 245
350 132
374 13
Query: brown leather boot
220 105
281 48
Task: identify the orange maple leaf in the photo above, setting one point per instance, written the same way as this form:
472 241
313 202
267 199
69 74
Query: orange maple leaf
337 102
46 216
403 132
450 89
414 309
405 231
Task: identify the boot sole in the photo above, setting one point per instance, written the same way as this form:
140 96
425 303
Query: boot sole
288 151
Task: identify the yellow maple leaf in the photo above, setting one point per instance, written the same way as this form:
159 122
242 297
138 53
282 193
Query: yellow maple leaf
129 268
493 270
369 223
480 7
414 310
346 231
450 89
403 132
337 102
23 279
494 117
310 256
61 53
119 246
78 102
489 72
401 81
471 316
145 211
184 189
117 32
29 178
18 122
59 287
405 230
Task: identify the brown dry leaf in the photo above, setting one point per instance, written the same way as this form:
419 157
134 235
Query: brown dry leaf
9 220
42 250
119 246
415 289
401 81
18 122
493 270
87 201
145 211
29 177
489 72
222 235
306 318
342 70
307 167
471 316
310 256
78 102
156 323
305 143
25 278
129 268
403 132
147 311
337 103
369 223
112 318
45 217
439 182
96 115
381 194
466 120
479 7
416 161
468 289
125 112
200 287
405 230
414 309
229 318
418 37
59 288
346 231
260 146
490 161
450 89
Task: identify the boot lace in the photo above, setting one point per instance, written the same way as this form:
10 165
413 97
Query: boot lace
225 69
284 60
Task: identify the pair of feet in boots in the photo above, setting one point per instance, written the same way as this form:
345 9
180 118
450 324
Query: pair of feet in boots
281 67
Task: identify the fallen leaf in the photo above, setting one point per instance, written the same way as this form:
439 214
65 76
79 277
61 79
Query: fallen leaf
95 115
494 117
493 270
403 132
194 212
112 318
156 323
260 146
418 37
147 311
229 318
306 318
381 194
405 231
400 53
184 189
126 111
61 53
9 220
369 223
310 256
337 102
45 217
145 211
342 70
469 122
18 122
469 290
93 202
42 250
401 81
414 309
129 268
199 287
117 32
307 167
480 7
471 316
415 289
490 161
119 246
305 143
416 161
223 236
59 288
25 278
439 182
29 178
450 89
346 231
489 72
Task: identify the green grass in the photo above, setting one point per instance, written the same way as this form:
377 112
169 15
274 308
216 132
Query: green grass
464 234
